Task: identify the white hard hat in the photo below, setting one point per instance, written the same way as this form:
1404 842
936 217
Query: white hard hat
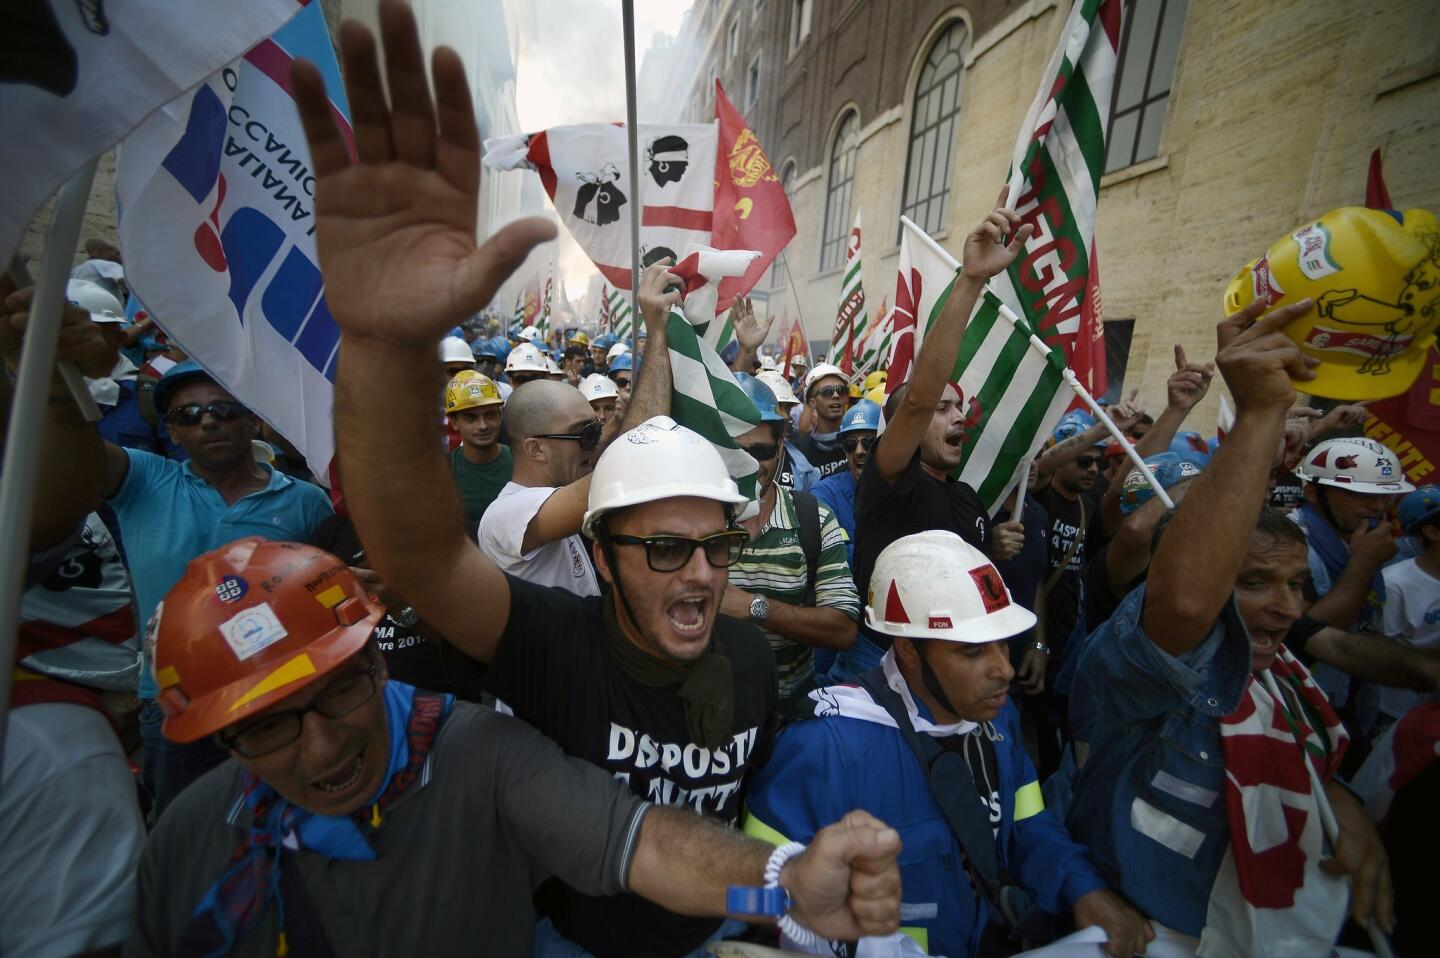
779 385
263 451
529 334
767 363
453 349
935 585
525 358
598 386
102 305
550 366
1359 465
658 459
616 350
820 371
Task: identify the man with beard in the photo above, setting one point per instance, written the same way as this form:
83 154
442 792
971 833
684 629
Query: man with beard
482 465
906 486
170 512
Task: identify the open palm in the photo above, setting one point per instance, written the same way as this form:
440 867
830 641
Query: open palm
395 229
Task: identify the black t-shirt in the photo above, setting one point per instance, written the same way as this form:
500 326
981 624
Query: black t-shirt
1062 603
409 657
785 471
825 454
1024 573
553 670
916 502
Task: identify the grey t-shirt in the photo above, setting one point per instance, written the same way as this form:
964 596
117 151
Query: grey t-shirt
459 854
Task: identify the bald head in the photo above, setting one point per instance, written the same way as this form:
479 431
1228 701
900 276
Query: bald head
544 406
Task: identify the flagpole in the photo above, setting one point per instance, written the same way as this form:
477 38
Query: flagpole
1119 437
790 280
632 135
27 416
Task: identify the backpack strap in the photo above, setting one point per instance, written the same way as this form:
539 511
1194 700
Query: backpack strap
953 788
807 516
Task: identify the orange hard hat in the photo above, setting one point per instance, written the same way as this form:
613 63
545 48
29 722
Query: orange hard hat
248 624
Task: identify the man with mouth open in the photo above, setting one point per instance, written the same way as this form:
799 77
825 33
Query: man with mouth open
650 682
930 740
1194 725
361 815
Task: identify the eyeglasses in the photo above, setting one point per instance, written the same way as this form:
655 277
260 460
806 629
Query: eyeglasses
1089 462
623 383
191 413
275 730
669 553
763 453
830 392
851 443
588 437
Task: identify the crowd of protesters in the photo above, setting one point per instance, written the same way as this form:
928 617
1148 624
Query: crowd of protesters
525 673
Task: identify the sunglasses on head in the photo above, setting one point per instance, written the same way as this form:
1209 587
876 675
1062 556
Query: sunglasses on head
830 392
669 553
588 435
191 413
1089 462
851 443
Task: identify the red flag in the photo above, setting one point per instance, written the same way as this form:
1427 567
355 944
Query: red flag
751 209
1377 197
1088 356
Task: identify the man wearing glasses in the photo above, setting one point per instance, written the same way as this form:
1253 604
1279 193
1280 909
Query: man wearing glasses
170 512
827 393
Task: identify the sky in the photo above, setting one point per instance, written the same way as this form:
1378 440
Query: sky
574 72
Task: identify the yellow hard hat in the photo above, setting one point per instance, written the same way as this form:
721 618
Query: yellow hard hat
579 339
855 391
876 378
468 392
1375 279
876 394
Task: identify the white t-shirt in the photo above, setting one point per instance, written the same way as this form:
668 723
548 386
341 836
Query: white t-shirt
1411 614
70 833
561 563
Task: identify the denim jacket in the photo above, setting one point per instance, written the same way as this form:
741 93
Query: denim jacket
1149 796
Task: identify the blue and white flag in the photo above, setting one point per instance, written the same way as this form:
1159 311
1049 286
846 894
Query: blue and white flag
217 222
79 76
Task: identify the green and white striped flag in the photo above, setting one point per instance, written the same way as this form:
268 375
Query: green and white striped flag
621 315
1054 181
1015 384
851 310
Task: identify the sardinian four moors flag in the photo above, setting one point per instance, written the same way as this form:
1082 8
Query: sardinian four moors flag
704 395
850 314
217 219
80 76
1014 382
1054 182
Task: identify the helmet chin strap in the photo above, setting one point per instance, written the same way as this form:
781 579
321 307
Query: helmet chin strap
932 681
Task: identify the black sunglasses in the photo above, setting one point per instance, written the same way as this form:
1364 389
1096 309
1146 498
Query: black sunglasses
191 413
1089 462
275 730
830 392
622 383
588 437
763 453
669 553
851 443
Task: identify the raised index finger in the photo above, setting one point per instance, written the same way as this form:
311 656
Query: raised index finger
1180 362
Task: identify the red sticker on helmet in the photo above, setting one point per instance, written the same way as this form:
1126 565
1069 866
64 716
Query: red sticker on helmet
894 608
992 588
940 622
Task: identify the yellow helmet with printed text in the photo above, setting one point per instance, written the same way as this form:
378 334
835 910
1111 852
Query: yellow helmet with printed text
469 392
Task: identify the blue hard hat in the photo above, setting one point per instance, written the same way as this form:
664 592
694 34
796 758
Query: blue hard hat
483 347
603 342
1168 468
175 377
1192 446
620 364
1071 424
1417 507
761 396
731 350
864 416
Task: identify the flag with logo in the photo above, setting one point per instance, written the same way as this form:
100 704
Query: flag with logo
752 211
795 344
875 351
584 169
704 395
80 76
850 314
1014 382
217 219
1054 182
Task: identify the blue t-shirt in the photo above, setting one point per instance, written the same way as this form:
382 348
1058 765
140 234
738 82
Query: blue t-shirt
168 516
838 492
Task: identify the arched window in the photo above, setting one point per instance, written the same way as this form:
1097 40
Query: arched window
837 199
933 116
787 183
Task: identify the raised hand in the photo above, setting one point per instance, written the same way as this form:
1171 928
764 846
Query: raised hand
660 290
986 252
750 332
1259 361
1189 383
1126 414
395 226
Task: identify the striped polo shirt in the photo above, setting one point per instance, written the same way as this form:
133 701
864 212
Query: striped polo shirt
773 565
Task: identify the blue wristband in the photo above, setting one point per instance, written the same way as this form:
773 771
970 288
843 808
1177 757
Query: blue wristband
771 901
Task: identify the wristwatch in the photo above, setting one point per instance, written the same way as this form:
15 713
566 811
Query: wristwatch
1040 647
759 609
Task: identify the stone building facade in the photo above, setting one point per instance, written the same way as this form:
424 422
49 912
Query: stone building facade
1239 122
